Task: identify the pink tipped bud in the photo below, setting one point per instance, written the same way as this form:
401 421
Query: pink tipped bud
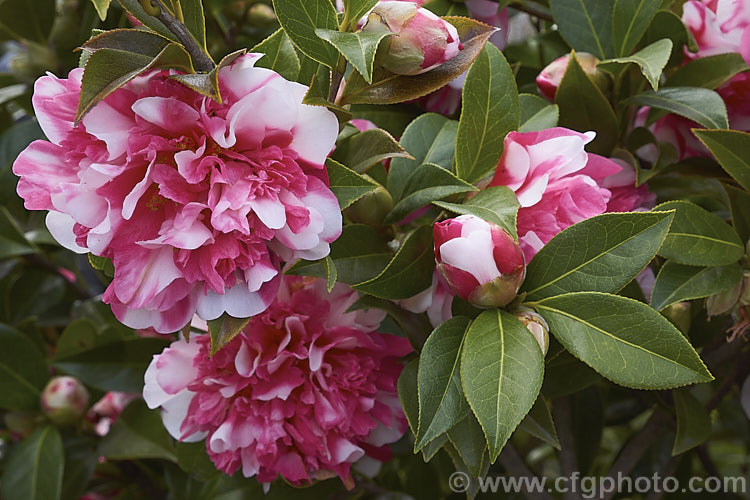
551 76
64 400
536 325
479 260
421 41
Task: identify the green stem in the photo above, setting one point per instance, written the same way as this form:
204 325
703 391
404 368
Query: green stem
201 60
336 78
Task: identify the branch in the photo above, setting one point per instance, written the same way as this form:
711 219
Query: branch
567 455
516 467
201 60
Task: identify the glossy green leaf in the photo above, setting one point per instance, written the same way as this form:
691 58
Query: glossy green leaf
467 437
223 329
330 269
109 69
300 19
407 393
28 19
602 254
537 114
489 110
365 149
195 20
650 59
667 24
134 7
358 48
708 72
355 9
539 423
428 183
586 25
393 118
630 20
12 240
115 366
732 149
359 255
207 84
23 371
137 41
101 6
501 372
346 184
280 55
701 105
431 138
389 88
441 400
739 205
496 204
138 433
565 375
35 468
699 238
677 282
623 339
409 272
583 107
693 422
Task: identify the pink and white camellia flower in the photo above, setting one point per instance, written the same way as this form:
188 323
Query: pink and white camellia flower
194 201
304 391
479 260
436 301
556 181
422 41
719 26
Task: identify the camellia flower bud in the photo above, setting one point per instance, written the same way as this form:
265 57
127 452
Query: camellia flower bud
551 76
64 400
421 41
536 325
479 260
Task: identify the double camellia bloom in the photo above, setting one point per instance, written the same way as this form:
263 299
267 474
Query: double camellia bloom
719 26
195 202
304 391
421 41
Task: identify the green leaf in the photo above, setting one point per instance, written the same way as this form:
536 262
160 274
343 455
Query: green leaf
693 422
650 59
35 469
300 18
207 84
12 240
698 237
27 19
537 114
109 69
496 204
389 88
586 25
441 400
115 366
667 24
134 8
602 254
489 110
80 461
501 371
428 183
195 21
407 393
409 272
101 6
539 423
137 41
708 72
677 282
467 437
583 107
224 329
280 55
354 10
358 48
330 268
346 184
732 150
192 458
631 19
365 149
431 138
23 371
359 254
739 205
703 106
567 375
623 339
137 433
